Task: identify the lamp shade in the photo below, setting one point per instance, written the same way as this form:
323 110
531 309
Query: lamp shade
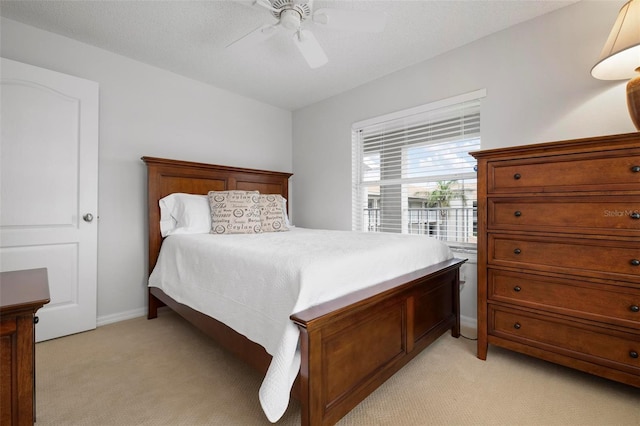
621 53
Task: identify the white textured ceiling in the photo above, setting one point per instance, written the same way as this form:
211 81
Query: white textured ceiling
189 38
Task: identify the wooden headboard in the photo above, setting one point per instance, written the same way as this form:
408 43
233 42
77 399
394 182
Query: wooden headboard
165 177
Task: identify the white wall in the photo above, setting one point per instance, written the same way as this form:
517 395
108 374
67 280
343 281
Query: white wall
539 89
148 111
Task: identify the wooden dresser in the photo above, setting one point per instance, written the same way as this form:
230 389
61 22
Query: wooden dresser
559 253
22 293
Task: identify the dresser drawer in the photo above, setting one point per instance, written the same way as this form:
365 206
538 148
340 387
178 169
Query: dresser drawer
598 302
598 258
565 174
561 335
566 214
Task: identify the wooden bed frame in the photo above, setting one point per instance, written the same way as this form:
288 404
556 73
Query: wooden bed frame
350 345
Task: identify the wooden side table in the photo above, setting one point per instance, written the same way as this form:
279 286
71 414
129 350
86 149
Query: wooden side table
22 293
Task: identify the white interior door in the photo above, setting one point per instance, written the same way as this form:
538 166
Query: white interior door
48 183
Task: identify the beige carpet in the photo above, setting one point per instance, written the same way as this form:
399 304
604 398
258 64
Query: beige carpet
165 372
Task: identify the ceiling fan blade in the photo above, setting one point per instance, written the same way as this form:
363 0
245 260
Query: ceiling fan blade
310 48
265 4
257 3
351 20
256 36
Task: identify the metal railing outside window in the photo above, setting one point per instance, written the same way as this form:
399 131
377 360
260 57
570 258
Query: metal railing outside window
452 224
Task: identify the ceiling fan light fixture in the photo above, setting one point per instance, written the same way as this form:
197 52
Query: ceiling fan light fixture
290 19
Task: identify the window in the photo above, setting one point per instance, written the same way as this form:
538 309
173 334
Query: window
412 172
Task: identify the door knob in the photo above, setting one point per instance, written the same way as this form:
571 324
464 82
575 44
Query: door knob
88 217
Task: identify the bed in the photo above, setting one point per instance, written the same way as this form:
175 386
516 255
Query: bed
396 317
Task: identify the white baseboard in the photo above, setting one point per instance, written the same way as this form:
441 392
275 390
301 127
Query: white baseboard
121 316
468 322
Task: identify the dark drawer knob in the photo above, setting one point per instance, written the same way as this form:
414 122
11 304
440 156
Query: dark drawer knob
517 176
517 213
634 308
635 262
36 320
635 169
633 354
517 326
635 215
517 251
517 289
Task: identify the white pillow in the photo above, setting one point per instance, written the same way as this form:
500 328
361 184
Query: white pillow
184 214
284 212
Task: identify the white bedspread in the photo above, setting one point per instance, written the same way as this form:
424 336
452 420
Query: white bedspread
254 282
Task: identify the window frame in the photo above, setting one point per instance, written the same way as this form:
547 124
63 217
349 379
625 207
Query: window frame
397 122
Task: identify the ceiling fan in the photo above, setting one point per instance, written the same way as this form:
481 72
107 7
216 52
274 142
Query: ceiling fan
293 15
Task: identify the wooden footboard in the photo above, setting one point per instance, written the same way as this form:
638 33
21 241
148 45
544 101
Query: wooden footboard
351 345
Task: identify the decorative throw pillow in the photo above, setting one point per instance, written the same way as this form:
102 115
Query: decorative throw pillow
272 213
235 212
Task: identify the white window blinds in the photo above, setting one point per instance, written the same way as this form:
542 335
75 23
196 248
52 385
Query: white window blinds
412 172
